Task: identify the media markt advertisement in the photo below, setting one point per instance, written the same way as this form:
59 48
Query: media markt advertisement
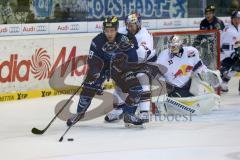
27 65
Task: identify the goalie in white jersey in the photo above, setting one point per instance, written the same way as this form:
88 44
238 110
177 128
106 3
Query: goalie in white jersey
186 77
146 53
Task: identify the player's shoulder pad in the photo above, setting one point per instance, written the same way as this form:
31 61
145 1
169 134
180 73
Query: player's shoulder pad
144 30
98 40
229 28
203 22
190 51
99 37
146 33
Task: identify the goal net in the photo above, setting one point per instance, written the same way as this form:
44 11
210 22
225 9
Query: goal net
206 41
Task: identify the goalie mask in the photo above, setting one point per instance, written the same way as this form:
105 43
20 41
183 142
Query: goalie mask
175 44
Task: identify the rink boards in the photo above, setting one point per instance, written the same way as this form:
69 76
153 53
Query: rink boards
30 65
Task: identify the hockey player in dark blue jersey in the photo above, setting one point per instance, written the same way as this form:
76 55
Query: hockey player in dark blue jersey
143 39
211 21
112 56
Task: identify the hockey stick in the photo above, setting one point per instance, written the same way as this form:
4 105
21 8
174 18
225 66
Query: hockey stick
61 138
75 120
38 131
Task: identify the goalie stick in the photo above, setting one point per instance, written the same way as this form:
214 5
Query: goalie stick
40 132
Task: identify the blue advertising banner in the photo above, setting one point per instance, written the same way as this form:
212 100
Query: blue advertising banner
149 9
43 8
47 11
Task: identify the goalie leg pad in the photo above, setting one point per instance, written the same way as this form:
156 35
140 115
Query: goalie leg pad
190 105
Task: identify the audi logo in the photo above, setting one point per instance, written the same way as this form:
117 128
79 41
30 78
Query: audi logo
75 27
14 29
41 28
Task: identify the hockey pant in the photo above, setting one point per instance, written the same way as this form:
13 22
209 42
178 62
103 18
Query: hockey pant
145 103
132 87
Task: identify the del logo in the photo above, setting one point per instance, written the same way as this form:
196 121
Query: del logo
183 70
39 66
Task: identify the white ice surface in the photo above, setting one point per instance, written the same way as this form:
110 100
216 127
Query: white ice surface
215 136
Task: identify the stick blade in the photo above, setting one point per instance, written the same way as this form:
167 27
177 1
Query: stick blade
37 131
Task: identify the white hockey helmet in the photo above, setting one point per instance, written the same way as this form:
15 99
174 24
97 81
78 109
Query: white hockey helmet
175 44
134 18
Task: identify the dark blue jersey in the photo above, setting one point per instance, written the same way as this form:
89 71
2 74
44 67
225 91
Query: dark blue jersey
132 39
101 48
104 51
215 24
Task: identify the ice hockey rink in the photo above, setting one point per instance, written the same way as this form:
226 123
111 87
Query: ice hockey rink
214 136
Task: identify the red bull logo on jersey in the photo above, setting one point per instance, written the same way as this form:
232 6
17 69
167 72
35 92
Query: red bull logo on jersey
183 70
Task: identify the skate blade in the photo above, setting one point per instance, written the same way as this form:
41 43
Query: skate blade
129 125
114 121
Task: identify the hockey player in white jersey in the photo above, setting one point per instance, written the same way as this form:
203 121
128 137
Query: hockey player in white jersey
185 78
133 28
230 47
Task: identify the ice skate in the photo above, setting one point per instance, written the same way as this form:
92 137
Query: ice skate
115 115
75 118
144 116
132 121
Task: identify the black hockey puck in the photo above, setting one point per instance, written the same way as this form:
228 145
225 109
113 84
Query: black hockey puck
70 139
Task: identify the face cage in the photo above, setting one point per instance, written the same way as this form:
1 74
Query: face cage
174 48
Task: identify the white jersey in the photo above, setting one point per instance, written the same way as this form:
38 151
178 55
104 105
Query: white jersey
180 68
229 36
145 43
